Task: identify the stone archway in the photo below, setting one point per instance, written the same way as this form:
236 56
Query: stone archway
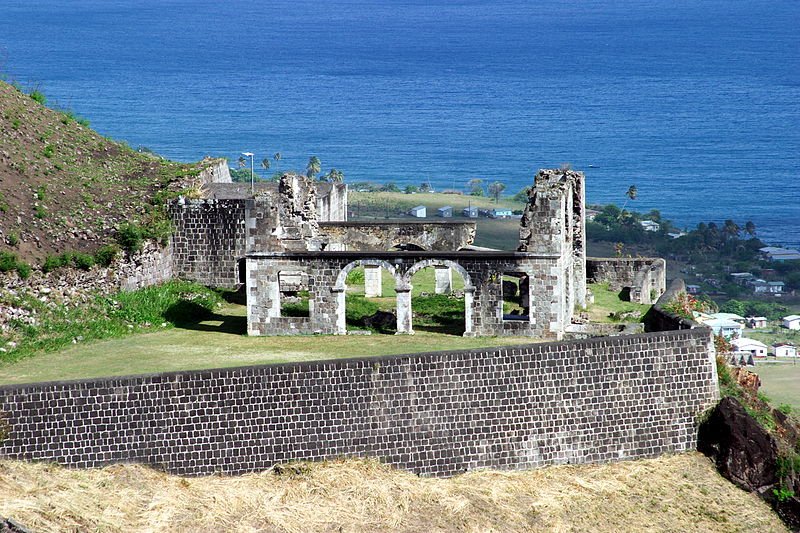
340 289
469 292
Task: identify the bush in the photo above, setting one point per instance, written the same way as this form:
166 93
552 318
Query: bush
51 262
38 96
83 261
13 239
24 270
130 237
8 261
105 255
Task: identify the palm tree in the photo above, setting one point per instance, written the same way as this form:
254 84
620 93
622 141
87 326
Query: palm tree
730 229
242 162
277 156
265 163
631 194
313 167
750 228
495 190
335 176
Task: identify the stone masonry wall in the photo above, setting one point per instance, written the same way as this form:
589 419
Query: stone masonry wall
210 236
644 277
482 273
434 414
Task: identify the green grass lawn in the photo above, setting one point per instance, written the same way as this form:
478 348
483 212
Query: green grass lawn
608 306
781 382
219 341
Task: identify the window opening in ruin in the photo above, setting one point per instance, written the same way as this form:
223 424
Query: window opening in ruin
241 271
294 294
516 296
406 247
437 300
370 300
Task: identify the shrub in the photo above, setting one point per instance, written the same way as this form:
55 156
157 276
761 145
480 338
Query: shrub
38 96
105 255
24 270
13 239
51 262
48 151
130 237
39 211
83 261
8 261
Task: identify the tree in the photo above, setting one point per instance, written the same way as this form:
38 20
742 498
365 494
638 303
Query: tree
475 187
313 167
265 163
334 176
750 228
495 190
631 194
277 156
390 187
410 189
523 194
242 162
730 229
425 187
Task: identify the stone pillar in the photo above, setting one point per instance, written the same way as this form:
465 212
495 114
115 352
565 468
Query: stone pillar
373 282
274 298
341 321
404 312
469 326
444 280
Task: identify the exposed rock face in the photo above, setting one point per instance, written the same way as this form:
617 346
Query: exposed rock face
748 380
743 451
7 525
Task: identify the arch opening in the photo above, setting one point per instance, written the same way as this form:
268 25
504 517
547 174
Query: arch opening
367 302
441 297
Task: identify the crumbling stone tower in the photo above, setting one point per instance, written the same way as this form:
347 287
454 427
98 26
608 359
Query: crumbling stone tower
554 226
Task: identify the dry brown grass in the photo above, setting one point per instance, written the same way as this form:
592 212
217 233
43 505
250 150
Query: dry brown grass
676 493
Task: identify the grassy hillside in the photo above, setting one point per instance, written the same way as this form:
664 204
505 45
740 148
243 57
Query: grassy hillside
64 187
677 493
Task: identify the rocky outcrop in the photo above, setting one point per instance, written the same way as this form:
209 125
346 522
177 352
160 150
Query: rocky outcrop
9 525
749 456
743 451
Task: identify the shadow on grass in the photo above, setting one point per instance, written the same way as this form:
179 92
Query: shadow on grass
189 315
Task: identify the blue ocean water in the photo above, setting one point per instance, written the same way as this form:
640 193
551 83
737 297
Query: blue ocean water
695 102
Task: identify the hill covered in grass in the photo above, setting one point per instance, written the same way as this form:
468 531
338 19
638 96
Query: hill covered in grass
672 493
66 188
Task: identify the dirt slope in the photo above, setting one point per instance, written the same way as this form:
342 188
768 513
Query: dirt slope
676 493
64 187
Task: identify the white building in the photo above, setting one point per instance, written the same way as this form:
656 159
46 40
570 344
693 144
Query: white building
724 327
756 322
757 348
419 212
791 322
783 349
649 225
730 316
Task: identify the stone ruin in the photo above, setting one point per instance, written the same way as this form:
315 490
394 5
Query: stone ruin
294 236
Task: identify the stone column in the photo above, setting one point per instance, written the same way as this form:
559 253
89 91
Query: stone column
469 326
444 280
341 321
373 282
404 312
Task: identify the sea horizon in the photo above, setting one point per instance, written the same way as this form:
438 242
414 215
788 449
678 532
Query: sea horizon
695 104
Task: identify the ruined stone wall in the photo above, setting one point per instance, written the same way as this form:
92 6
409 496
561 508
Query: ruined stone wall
554 223
209 238
215 171
644 278
482 272
433 414
332 203
380 236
